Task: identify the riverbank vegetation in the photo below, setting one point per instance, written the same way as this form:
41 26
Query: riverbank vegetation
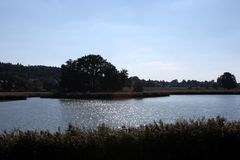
148 92
106 95
5 96
213 138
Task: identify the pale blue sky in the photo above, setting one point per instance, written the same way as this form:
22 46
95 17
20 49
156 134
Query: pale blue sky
153 39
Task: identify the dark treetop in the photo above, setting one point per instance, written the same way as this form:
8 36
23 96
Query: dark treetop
91 73
227 80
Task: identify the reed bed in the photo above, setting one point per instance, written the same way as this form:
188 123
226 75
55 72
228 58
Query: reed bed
213 138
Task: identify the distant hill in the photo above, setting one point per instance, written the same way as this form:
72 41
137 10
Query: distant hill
17 77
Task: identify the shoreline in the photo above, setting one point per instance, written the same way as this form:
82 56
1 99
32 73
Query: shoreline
12 98
206 92
108 95
8 96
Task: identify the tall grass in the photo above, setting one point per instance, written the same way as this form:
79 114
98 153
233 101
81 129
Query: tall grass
213 138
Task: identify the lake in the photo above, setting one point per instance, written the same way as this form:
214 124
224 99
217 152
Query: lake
56 114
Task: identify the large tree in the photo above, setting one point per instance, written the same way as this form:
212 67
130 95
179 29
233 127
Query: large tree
91 73
227 80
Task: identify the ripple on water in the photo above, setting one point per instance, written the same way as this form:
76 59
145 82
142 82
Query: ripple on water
49 114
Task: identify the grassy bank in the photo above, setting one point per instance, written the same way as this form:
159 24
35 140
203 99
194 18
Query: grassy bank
6 96
200 139
148 92
193 91
109 95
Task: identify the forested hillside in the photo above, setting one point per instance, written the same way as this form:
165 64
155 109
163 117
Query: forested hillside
17 77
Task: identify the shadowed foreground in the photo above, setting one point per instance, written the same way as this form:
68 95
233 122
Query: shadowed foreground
199 139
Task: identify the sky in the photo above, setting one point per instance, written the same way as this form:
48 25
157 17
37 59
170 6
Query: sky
152 39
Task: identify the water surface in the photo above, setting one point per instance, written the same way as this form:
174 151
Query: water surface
55 114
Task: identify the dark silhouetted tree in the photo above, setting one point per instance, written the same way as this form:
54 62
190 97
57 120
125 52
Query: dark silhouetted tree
91 73
136 84
227 80
16 77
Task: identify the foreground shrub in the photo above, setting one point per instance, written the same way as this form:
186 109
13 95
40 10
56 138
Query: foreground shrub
195 139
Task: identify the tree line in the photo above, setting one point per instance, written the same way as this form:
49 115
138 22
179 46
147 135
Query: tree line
17 77
91 73
227 81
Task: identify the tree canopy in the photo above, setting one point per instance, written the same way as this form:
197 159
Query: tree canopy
227 80
17 77
91 73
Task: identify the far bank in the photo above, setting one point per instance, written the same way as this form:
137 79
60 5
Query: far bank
148 92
